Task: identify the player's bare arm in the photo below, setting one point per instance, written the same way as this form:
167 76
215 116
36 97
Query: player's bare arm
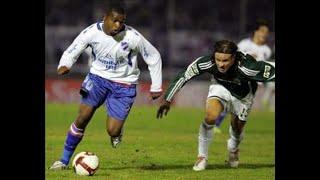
197 67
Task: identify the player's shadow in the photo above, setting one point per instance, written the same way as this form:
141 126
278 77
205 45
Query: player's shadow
154 167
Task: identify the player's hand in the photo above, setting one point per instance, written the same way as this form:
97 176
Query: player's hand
164 108
155 95
63 70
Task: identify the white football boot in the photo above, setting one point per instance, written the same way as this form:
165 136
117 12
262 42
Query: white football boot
233 159
200 164
58 165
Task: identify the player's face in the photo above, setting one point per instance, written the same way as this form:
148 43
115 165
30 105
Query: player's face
262 34
113 23
223 61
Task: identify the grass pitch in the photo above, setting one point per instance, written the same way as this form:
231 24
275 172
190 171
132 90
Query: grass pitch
162 149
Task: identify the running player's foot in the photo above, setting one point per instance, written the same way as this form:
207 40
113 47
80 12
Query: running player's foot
115 141
233 159
58 165
200 164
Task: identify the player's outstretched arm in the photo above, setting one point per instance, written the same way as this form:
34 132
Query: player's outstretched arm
71 54
153 59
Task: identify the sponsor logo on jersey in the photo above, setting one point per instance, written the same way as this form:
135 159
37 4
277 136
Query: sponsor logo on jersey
111 63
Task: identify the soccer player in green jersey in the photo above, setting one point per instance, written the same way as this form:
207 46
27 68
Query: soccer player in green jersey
234 84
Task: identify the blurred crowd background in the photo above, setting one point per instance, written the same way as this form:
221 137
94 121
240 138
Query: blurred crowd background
180 30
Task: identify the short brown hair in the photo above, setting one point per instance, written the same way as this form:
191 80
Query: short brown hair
225 46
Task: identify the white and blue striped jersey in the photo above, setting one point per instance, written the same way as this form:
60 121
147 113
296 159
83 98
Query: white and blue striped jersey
115 57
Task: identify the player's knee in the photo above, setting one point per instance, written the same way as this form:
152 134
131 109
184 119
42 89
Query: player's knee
211 117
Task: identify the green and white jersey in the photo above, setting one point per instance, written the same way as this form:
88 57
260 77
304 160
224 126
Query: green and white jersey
239 79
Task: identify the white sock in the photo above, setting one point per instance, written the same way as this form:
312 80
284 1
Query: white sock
205 137
234 140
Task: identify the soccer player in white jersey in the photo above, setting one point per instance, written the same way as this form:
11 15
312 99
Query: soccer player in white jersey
257 47
112 78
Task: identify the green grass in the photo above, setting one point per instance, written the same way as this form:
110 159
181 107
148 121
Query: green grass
162 149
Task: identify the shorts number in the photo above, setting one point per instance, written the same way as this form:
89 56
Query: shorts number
244 113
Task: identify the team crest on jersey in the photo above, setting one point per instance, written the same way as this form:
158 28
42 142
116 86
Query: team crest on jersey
124 45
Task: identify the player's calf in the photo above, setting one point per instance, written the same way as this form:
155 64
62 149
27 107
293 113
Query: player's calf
115 130
73 138
233 147
115 136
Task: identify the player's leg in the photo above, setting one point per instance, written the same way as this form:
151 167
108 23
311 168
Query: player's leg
239 112
236 136
213 109
119 104
216 103
76 132
115 130
90 101
74 136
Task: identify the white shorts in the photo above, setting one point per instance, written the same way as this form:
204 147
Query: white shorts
239 107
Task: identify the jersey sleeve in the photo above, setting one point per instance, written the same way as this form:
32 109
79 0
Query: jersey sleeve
71 54
196 68
260 71
153 59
